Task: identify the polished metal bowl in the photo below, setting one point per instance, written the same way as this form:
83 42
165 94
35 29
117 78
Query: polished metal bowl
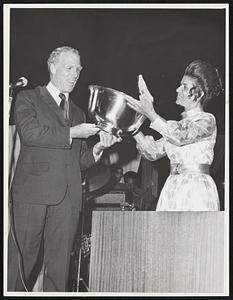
109 110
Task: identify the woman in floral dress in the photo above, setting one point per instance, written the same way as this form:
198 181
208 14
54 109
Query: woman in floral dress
189 143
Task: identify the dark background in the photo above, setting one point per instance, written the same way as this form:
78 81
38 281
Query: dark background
118 44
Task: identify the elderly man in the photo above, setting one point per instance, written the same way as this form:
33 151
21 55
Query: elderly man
46 188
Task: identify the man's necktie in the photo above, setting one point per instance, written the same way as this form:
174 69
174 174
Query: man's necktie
63 105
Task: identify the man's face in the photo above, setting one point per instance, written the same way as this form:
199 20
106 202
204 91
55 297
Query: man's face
185 97
118 174
129 182
65 71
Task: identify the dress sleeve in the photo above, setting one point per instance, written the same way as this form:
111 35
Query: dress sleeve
186 131
151 149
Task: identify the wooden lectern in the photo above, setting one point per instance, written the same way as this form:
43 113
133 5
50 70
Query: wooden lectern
157 252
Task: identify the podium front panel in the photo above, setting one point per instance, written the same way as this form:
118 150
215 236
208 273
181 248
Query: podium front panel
157 252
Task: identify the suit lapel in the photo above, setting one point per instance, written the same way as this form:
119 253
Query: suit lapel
73 118
71 112
48 99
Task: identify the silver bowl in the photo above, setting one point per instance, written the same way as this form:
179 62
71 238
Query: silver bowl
109 110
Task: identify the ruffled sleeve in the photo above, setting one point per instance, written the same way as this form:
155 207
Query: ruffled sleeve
186 131
151 149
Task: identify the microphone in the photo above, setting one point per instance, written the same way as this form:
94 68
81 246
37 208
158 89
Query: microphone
22 81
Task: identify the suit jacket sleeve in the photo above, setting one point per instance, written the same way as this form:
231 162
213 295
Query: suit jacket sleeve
31 131
86 154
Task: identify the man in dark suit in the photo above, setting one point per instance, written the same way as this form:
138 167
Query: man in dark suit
46 188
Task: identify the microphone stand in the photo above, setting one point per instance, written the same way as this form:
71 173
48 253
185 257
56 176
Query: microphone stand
84 198
12 136
10 100
11 223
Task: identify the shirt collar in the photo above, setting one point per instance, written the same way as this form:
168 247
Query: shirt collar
191 112
55 92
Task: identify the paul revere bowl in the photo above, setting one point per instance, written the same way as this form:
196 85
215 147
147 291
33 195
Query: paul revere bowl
109 110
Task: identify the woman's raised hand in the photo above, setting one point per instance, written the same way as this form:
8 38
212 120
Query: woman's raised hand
145 105
143 90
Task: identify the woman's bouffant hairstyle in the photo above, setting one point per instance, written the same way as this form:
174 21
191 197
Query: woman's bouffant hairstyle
207 78
57 52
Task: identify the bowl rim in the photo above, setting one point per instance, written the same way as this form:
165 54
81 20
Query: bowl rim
110 89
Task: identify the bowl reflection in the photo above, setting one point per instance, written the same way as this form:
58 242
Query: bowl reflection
109 109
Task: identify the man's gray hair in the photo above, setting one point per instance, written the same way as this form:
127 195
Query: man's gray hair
57 52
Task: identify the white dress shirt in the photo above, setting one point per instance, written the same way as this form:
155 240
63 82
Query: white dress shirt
55 93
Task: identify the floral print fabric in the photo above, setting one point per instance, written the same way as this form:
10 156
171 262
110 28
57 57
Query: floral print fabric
189 141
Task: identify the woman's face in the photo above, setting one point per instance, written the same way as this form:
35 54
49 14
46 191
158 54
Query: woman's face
185 96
